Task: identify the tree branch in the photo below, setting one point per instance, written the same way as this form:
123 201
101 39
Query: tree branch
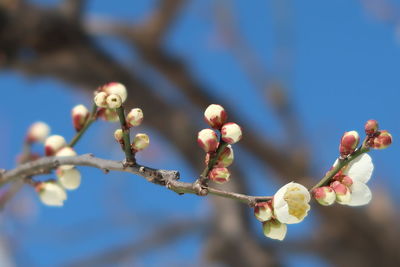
167 178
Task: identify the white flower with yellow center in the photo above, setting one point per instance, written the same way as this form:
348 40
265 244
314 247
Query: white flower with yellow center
291 203
360 171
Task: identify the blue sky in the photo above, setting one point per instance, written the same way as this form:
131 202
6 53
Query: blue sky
344 71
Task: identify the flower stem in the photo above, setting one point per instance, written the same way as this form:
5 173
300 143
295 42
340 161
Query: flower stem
213 160
88 122
130 158
342 162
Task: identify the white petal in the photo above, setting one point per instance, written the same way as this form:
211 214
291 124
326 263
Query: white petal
275 230
360 169
360 194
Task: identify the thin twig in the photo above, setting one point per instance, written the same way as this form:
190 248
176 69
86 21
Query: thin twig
130 158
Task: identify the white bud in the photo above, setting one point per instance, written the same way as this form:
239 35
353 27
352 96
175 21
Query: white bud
115 88
38 132
51 194
134 117
114 101
231 133
140 142
274 229
66 152
53 144
80 114
119 135
100 99
69 179
215 116
207 140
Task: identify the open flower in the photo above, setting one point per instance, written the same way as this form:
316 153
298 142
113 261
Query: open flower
291 203
360 171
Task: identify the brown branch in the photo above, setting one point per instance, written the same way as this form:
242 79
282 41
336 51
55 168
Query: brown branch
167 178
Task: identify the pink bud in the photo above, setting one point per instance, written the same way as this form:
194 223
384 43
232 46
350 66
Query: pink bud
134 117
343 194
231 133
119 136
324 195
371 127
53 144
38 132
113 101
207 140
349 143
107 114
225 159
263 211
219 175
115 88
80 115
215 116
140 142
383 140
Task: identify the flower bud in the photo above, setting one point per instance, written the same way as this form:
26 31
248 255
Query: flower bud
215 116
371 127
343 194
38 132
263 211
207 140
53 144
383 140
100 99
69 179
119 136
225 159
274 229
134 117
349 143
115 88
51 194
80 114
108 114
140 142
66 152
324 195
231 133
219 175
113 101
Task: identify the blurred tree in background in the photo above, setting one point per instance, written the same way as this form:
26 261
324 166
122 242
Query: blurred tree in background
173 72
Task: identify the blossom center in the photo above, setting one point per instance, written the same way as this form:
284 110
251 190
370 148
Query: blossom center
297 202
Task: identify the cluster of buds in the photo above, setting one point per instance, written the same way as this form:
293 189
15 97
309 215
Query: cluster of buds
111 95
218 148
288 206
377 139
141 140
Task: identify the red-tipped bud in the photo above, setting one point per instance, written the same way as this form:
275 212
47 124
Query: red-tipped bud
343 194
207 140
324 195
100 99
231 133
348 143
115 88
119 136
80 114
140 142
263 211
107 114
53 144
134 117
219 175
66 152
113 101
371 127
38 132
225 159
215 116
383 140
